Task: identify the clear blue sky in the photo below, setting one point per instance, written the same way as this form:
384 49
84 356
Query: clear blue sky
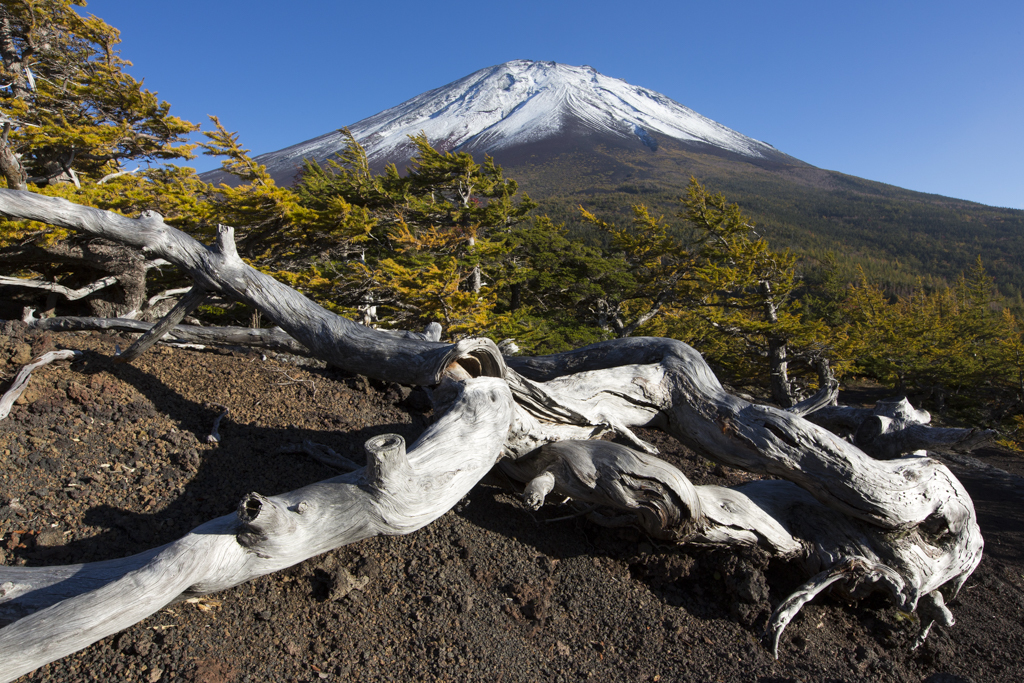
927 95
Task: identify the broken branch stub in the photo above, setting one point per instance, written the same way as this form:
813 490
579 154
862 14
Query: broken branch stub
192 300
386 464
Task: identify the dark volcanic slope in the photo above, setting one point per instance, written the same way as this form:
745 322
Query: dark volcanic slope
100 460
571 135
897 236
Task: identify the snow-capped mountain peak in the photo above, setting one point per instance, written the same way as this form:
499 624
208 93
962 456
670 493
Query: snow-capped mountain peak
520 102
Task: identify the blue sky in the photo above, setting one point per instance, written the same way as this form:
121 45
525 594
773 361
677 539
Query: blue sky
923 95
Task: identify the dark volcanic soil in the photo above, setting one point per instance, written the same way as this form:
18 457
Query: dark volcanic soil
101 460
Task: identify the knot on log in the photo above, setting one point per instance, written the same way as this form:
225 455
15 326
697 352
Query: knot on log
250 507
263 518
386 463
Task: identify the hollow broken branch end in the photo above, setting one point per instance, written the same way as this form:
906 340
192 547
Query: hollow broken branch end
386 462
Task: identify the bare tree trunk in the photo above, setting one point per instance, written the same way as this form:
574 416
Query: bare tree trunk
10 164
778 372
904 527
778 364
397 493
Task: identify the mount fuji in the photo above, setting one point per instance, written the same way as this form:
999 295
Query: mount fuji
571 136
505 108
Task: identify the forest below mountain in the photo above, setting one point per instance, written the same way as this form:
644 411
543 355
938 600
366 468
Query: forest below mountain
900 238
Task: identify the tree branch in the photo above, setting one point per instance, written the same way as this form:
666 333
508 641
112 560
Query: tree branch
20 382
219 269
402 493
188 303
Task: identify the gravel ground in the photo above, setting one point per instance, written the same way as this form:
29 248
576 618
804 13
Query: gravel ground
100 460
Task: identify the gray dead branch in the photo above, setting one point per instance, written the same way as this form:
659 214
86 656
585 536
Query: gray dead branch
21 379
894 428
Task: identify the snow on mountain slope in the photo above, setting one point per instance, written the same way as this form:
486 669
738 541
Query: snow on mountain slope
520 102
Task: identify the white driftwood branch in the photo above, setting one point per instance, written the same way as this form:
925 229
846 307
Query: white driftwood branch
214 435
666 504
399 493
116 174
852 571
21 379
894 428
166 294
826 396
67 292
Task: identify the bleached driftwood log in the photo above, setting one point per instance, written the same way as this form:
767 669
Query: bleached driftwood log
894 428
20 382
265 338
910 515
70 607
903 526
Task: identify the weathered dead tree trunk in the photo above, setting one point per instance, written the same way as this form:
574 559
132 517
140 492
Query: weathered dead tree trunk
904 526
894 428
274 338
123 268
